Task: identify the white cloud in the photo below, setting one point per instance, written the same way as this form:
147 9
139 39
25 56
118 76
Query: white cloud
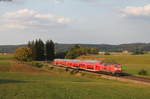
25 18
136 11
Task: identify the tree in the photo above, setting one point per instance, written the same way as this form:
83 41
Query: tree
23 53
39 50
80 50
31 44
50 50
138 51
60 55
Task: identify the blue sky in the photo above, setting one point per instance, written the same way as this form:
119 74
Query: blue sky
75 21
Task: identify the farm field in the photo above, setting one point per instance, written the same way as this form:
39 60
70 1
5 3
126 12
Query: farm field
132 64
26 82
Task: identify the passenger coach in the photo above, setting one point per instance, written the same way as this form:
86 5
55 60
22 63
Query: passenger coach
89 65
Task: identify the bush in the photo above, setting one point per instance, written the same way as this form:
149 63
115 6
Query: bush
74 71
23 53
142 72
138 52
36 64
107 53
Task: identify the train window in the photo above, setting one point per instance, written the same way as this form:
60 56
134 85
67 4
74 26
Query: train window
106 64
116 65
90 63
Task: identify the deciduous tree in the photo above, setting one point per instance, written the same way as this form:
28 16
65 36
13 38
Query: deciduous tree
23 53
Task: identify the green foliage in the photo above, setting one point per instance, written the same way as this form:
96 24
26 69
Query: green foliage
80 50
142 72
60 55
23 53
138 52
39 46
106 53
41 51
31 44
37 64
50 50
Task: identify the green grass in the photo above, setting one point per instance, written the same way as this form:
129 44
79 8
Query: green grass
2 56
5 60
5 63
131 63
59 86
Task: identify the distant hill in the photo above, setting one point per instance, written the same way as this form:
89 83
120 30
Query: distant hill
8 48
107 47
101 47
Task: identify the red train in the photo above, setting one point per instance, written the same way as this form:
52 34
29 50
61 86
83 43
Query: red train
90 65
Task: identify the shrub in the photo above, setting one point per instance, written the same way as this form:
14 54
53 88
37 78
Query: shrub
138 52
37 64
67 69
51 68
142 72
74 71
107 53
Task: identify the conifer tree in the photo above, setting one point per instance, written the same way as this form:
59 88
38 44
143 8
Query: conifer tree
39 49
50 50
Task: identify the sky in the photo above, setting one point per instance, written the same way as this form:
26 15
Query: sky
75 21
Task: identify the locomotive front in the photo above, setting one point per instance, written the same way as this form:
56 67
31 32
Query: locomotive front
117 68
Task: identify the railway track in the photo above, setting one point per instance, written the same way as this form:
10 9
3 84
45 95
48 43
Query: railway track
125 77
137 78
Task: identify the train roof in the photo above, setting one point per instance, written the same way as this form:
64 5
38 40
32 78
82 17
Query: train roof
76 60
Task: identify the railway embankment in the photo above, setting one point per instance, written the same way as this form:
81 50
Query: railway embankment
127 78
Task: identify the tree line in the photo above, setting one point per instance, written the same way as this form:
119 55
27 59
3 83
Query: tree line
78 50
40 51
36 50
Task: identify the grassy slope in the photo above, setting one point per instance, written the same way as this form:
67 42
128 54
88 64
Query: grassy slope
5 60
37 84
56 86
131 63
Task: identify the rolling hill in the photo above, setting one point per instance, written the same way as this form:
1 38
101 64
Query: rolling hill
101 47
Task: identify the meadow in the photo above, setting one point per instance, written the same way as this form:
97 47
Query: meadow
26 82
60 86
132 64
